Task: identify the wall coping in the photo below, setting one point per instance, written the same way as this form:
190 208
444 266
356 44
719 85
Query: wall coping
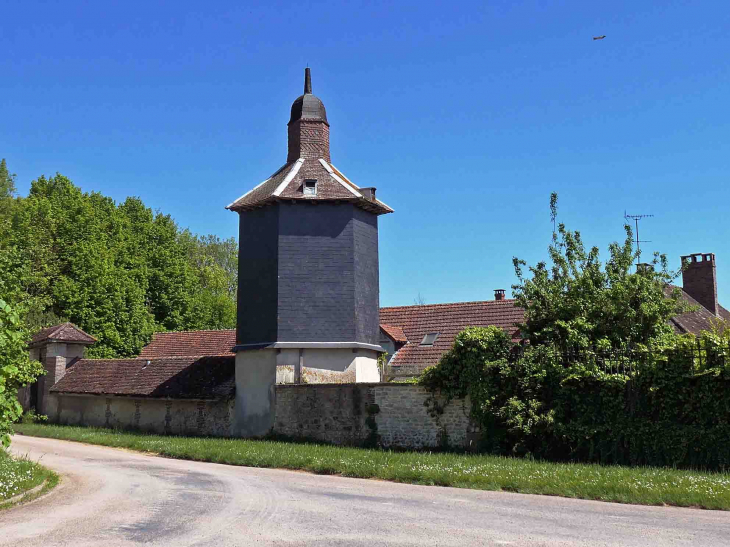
309 345
140 397
352 384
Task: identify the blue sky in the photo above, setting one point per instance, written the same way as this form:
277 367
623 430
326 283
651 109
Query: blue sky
464 115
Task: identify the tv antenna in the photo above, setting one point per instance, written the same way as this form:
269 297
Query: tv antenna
636 219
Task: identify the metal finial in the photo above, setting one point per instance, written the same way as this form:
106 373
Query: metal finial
307 81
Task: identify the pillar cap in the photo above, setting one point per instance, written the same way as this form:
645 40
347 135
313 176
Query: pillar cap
65 333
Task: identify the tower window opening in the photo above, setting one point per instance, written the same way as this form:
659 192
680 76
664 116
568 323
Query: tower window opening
310 187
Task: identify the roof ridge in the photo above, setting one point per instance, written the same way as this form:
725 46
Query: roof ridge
163 358
190 331
448 304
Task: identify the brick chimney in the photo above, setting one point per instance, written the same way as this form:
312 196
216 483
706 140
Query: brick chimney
499 294
699 280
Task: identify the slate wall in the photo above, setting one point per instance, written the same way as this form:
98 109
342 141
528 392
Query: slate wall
308 273
387 415
258 276
367 277
316 295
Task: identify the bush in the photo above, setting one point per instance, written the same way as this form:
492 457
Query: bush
668 411
16 369
32 417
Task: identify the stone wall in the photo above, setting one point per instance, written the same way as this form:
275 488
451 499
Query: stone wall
388 415
171 416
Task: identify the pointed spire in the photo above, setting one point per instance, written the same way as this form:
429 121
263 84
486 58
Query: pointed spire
307 81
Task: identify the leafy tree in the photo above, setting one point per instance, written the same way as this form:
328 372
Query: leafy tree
578 302
529 402
7 193
7 181
215 263
120 272
16 368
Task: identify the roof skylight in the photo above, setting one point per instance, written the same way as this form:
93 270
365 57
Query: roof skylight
429 339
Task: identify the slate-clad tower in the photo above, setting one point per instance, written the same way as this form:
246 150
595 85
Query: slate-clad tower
308 290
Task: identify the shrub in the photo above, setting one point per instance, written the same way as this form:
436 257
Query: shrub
16 368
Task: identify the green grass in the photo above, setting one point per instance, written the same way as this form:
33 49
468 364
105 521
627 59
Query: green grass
19 475
639 485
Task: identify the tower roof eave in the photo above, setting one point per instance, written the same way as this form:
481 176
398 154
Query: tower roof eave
286 185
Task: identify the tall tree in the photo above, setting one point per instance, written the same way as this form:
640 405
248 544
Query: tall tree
118 271
7 181
577 301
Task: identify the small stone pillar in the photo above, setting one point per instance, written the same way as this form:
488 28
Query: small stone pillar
56 348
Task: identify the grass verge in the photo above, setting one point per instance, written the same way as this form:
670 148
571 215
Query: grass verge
639 485
19 477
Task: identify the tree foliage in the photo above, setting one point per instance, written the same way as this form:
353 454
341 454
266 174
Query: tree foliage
16 368
577 302
7 181
118 271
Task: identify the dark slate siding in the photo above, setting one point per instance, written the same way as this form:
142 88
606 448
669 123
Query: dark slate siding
316 295
367 288
257 276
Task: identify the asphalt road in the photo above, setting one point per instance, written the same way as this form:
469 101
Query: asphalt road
112 497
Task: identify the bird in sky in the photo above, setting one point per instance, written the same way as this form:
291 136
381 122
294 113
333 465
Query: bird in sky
599 37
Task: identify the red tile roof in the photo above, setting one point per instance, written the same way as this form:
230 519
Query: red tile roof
65 332
447 320
173 377
198 342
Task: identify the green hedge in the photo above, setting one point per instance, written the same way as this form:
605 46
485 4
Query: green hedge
663 417
666 413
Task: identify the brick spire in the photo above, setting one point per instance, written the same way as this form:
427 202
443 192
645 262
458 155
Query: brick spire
309 131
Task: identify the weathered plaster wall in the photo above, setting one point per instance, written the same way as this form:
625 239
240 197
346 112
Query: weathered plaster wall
388 415
172 416
255 397
328 365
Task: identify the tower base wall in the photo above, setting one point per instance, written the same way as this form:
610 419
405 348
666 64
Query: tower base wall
259 370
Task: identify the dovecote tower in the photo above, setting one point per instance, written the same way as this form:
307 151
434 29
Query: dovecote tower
308 285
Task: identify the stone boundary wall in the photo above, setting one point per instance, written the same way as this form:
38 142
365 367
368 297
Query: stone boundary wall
163 416
387 415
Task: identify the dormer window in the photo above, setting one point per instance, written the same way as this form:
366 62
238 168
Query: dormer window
429 339
310 187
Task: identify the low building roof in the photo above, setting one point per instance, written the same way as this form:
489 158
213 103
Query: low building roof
65 332
446 320
197 342
207 377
